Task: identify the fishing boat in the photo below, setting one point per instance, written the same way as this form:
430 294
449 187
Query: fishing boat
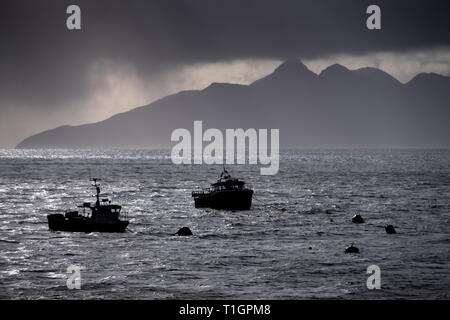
227 193
99 217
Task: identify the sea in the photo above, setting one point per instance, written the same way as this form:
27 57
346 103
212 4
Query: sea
290 245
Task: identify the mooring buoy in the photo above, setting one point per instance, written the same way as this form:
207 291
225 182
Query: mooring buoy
351 249
185 231
390 229
357 219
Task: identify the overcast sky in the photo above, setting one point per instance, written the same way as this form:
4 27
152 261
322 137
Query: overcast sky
129 53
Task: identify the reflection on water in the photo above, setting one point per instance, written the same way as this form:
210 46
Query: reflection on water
261 253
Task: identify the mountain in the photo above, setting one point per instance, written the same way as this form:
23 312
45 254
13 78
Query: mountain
337 108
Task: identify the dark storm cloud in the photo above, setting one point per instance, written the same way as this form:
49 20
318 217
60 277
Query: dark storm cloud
43 62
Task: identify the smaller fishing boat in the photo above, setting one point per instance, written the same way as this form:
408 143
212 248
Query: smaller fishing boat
227 193
100 217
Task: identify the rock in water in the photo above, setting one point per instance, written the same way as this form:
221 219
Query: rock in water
185 231
351 249
390 229
357 219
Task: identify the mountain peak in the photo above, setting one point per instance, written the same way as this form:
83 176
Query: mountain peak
430 82
291 66
431 76
334 69
289 72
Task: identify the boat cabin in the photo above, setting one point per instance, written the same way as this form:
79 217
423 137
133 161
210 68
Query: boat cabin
228 184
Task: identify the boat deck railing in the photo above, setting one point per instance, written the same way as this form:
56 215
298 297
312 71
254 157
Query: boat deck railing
202 191
208 190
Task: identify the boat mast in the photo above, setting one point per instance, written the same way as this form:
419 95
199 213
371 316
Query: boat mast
224 173
97 188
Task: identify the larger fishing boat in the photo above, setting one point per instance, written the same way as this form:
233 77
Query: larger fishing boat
99 217
227 193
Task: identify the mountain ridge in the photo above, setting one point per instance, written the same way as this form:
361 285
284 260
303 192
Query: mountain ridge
338 107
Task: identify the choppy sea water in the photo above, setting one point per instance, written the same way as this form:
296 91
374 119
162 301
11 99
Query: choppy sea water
262 253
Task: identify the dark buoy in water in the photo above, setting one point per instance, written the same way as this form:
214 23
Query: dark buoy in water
185 231
357 219
351 249
390 229
283 209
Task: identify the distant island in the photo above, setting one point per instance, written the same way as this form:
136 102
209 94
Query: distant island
337 108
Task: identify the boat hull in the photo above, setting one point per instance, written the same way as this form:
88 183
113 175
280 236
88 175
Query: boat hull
57 222
225 199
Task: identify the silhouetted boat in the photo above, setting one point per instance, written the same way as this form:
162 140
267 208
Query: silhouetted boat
101 217
227 193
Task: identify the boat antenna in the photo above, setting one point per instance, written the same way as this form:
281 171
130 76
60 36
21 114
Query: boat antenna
223 170
224 173
97 189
